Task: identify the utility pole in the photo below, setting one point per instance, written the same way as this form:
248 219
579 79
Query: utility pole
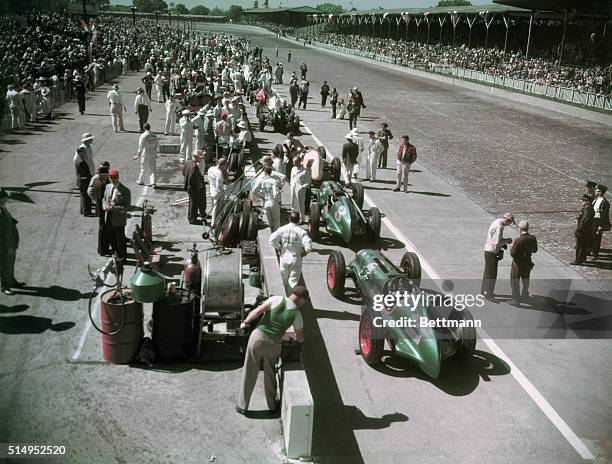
134 9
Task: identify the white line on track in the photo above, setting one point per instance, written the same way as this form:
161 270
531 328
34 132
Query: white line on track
94 314
518 375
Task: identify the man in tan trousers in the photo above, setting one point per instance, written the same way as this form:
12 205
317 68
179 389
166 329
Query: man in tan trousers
265 343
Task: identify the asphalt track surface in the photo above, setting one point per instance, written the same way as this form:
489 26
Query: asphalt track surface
54 387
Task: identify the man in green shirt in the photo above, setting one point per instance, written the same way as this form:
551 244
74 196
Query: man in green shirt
265 343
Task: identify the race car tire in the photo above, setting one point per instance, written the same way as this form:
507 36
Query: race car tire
262 122
336 169
229 231
411 266
253 227
314 221
243 226
371 338
336 273
357 189
296 124
466 345
322 152
375 223
247 205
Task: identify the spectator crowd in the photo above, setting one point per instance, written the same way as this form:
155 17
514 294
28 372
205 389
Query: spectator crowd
493 61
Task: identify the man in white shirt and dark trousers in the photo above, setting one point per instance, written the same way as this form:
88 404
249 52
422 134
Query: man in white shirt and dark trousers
601 223
142 107
148 144
216 181
493 252
115 101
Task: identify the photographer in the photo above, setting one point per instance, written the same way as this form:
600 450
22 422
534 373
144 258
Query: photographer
493 252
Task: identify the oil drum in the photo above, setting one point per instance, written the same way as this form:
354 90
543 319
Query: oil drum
122 347
222 290
173 332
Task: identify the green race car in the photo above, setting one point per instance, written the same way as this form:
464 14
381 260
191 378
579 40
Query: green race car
342 213
426 335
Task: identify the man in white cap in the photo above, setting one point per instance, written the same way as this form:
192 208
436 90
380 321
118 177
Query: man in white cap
217 177
87 140
142 107
186 136
148 144
493 253
266 190
375 149
350 153
115 101
171 105
293 244
244 136
522 249
29 101
198 125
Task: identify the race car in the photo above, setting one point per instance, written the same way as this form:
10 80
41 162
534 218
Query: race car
451 335
342 213
279 115
321 169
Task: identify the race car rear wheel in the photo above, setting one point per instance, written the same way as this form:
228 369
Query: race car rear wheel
467 337
411 266
357 189
371 341
466 345
375 223
336 169
253 227
336 273
314 221
262 122
229 231
243 226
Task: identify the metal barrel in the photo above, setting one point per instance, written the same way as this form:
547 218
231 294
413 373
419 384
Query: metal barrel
122 347
173 320
222 290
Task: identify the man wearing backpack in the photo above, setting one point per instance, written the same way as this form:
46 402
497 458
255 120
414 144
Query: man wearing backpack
406 155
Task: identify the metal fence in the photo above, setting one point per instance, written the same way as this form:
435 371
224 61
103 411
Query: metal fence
562 94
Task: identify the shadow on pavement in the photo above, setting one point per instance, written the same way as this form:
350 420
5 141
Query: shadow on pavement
53 292
13 309
335 421
455 379
14 325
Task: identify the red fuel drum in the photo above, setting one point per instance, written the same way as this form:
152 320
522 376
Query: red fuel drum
192 275
122 347
173 320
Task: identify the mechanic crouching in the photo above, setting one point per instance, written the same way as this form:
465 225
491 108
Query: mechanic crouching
265 343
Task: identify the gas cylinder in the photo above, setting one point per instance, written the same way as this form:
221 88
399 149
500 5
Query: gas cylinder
126 318
146 224
192 273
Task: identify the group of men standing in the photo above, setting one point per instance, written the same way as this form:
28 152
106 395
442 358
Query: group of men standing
592 222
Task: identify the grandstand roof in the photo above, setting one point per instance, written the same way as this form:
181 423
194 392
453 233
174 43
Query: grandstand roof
297 9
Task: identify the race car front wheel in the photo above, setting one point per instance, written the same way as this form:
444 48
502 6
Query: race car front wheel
375 223
314 221
336 273
358 194
371 341
411 266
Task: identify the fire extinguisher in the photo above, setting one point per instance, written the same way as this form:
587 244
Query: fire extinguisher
192 273
146 222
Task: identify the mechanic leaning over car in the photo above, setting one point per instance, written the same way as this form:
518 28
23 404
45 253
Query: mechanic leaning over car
265 343
293 243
